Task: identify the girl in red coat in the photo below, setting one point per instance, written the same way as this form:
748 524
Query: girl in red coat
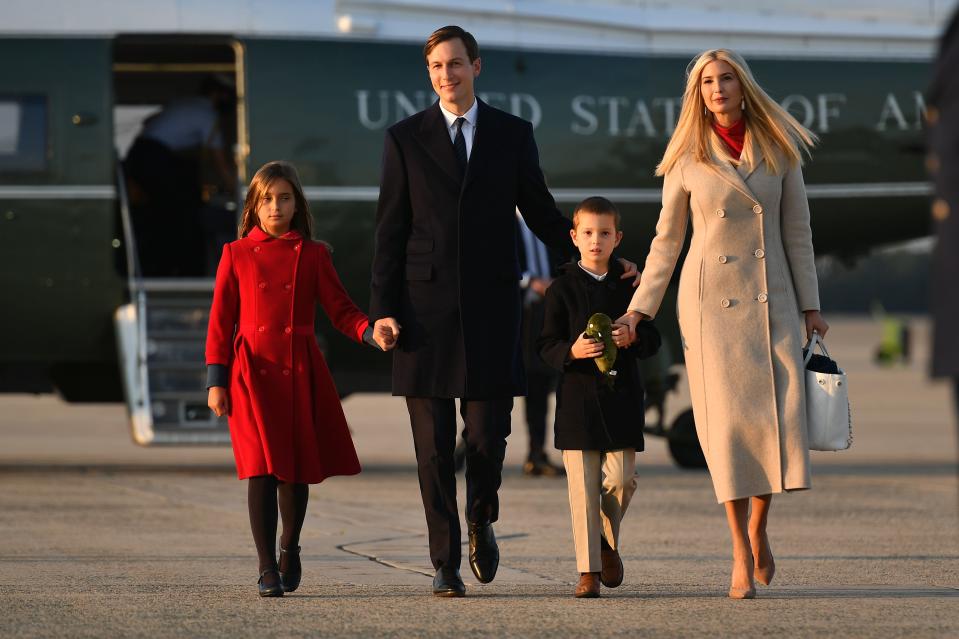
265 369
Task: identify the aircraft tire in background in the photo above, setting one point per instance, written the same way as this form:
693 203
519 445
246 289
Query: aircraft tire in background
683 442
87 382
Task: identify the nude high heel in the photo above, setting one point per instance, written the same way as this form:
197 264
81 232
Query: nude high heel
743 593
764 575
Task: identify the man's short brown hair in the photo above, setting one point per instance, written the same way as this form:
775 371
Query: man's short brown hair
598 206
449 33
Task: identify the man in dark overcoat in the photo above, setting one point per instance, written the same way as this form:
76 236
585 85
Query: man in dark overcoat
445 290
943 162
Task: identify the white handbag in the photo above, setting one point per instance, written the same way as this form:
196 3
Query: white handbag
828 416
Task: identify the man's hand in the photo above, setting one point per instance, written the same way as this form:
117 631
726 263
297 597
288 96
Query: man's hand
586 348
386 332
218 399
631 270
539 285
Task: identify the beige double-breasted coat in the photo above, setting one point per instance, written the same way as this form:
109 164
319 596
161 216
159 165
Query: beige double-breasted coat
746 279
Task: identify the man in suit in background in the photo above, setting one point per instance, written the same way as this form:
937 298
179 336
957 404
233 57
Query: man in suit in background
943 162
445 290
538 270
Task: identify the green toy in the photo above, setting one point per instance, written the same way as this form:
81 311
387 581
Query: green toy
600 327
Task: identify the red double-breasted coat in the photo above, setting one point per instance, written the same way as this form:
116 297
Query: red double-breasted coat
285 414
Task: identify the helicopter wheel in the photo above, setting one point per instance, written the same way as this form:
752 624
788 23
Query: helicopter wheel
683 442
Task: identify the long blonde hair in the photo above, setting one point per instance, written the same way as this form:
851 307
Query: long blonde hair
778 134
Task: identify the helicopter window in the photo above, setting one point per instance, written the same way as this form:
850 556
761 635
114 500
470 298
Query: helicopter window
23 133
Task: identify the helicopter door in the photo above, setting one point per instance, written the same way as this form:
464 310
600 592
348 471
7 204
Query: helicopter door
178 134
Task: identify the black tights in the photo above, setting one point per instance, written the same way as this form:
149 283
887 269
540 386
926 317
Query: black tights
264 493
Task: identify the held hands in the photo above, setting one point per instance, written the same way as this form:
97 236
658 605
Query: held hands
815 322
386 332
622 337
628 322
218 399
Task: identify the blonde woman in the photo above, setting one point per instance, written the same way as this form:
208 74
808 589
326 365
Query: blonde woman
747 293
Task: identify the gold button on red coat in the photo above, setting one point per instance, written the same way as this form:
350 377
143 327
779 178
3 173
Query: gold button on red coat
262 284
287 330
287 286
261 329
256 249
286 371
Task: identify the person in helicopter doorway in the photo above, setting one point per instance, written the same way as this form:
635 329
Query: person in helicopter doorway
165 169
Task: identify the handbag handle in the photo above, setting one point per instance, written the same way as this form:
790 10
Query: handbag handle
811 345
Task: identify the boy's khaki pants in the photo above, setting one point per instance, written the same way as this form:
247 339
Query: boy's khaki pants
601 485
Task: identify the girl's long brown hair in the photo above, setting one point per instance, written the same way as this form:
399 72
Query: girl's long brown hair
268 174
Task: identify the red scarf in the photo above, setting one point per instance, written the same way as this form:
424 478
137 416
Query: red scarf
733 136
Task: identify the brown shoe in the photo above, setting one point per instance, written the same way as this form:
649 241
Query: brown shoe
588 586
612 574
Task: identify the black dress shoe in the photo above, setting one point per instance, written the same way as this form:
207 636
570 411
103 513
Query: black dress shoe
290 578
272 587
484 553
447 583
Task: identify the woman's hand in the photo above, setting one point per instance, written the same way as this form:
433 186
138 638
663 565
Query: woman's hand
218 399
586 348
815 322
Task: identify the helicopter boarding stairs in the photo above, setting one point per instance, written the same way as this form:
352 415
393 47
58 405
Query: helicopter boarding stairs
161 339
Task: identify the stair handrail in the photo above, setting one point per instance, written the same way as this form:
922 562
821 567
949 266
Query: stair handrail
134 274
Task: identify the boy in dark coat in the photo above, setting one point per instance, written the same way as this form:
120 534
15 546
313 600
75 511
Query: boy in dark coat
598 428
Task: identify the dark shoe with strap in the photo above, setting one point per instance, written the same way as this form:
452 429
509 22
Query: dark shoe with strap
612 574
272 587
484 553
588 586
447 583
290 578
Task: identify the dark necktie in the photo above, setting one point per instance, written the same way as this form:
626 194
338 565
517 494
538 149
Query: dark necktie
459 145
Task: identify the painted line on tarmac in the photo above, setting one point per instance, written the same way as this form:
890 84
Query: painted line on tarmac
352 548
385 562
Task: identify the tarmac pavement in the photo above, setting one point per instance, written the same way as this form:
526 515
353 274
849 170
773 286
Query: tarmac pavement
99 537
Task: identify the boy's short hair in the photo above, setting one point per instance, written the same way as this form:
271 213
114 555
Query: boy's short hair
449 33
598 206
